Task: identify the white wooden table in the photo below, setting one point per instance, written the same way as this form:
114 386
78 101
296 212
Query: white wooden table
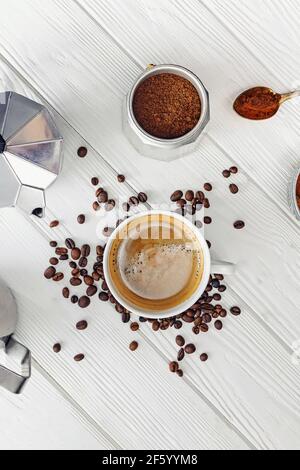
80 57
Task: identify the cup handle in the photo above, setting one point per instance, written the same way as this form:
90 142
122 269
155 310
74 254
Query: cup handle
222 267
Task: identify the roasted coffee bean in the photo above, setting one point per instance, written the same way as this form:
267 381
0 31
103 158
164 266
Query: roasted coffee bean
180 355
54 224
134 326
108 231
173 366
204 328
99 250
82 325
143 197
64 257
58 277
83 262
79 357
198 321
66 292
75 253
81 219
176 196
75 272
218 325
70 244
133 346
155 325
187 319
206 203
98 191
226 173
215 283
189 195
53 261
104 286
233 170
203 357
239 224
75 281
234 189
235 311
208 288
57 348
96 206
96 276
85 250
222 288
91 291
181 203
88 280
104 296
207 187
61 251
195 330
223 313
178 325
126 207
74 299
103 197
83 272
119 308
53 244
217 297
121 178
73 265
84 301
220 277
82 152
133 201
95 181
180 341
190 313
190 348
200 195
109 206
50 272
206 318
207 220
179 373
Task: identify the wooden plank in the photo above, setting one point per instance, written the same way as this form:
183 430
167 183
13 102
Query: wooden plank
42 419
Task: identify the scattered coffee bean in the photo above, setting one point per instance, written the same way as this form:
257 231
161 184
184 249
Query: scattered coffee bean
82 325
70 244
200 196
84 301
66 292
79 357
190 348
181 203
207 187
50 272
155 325
53 244
83 262
177 325
96 206
95 181
143 197
64 257
53 261
82 152
204 328
108 231
91 291
235 311
58 277
239 224
220 277
110 204
180 341
222 288
223 313
121 178
75 254
218 325
104 296
134 326
226 173
233 170
179 373
133 346
85 250
234 189
88 280
207 220
180 355
57 348
173 366
74 299
189 195
206 203
176 196
54 224
203 357
61 251
75 281
133 201
81 219
196 330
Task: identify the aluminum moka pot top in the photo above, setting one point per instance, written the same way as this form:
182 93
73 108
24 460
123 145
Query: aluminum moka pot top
30 152
165 149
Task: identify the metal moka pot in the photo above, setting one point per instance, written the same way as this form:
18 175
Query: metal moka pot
15 359
30 153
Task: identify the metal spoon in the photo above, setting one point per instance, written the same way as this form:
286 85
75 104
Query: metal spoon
261 102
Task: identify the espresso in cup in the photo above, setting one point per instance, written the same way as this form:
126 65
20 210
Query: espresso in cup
155 262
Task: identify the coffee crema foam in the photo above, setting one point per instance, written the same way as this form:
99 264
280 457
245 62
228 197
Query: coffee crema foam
156 263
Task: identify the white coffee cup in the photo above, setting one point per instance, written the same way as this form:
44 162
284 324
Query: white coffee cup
209 267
